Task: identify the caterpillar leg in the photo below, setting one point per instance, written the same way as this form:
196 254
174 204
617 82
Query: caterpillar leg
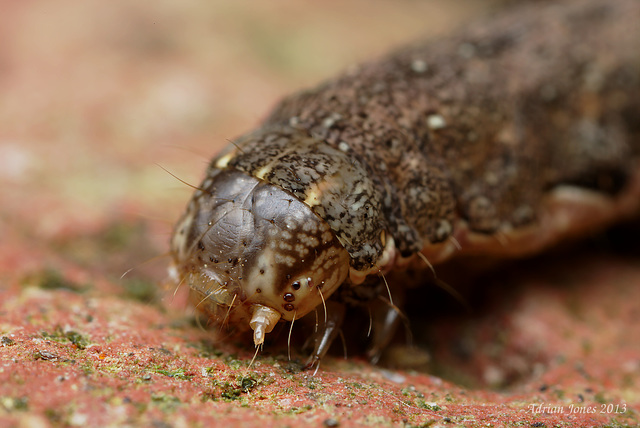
381 303
386 315
385 319
329 325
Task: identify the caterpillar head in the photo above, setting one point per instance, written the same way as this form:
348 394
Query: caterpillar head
253 254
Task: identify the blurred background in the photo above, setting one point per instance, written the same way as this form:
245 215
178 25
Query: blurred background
95 95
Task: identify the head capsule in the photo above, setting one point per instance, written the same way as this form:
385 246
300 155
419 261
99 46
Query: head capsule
253 253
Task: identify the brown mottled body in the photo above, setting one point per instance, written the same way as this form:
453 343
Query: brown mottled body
501 140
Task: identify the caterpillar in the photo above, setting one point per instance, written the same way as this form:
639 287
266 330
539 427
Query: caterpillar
500 140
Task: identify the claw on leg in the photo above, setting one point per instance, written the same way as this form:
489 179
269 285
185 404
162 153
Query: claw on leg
326 333
385 320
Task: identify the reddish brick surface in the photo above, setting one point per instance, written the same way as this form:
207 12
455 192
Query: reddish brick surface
93 95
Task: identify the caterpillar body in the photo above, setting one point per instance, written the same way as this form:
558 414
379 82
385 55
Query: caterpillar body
500 140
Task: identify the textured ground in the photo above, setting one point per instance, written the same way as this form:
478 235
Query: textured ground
94 95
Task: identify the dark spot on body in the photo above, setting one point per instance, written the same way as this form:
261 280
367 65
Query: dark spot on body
295 285
201 246
288 307
261 271
289 297
258 290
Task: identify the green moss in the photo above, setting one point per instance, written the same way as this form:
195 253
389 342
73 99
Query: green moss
314 383
166 403
247 383
87 368
57 335
208 396
233 363
77 339
176 374
242 385
60 336
52 279
120 236
53 415
231 394
141 290
14 404
427 406
600 398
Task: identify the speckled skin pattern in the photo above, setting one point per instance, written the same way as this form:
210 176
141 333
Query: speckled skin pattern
253 242
472 130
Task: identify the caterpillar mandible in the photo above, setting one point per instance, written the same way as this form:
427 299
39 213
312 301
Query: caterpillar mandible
500 140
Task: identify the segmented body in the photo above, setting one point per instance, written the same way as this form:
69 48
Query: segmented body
500 140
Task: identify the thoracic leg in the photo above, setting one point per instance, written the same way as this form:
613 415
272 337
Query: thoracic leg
328 329
386 315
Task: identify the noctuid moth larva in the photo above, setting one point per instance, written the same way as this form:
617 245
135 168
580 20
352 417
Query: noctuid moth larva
500 140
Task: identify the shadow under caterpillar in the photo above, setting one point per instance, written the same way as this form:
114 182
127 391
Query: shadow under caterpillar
501 140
